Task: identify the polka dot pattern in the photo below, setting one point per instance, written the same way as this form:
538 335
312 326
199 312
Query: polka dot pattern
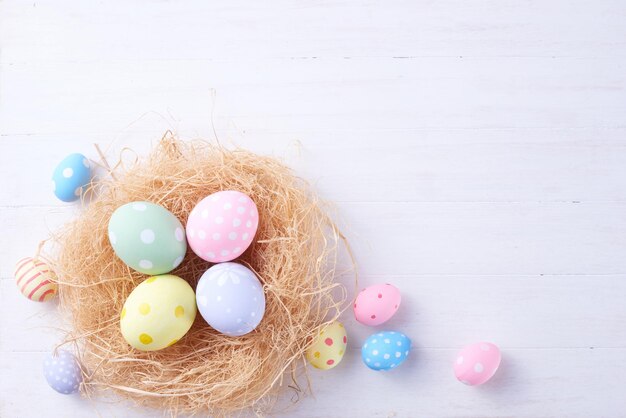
144 309
327 349
147 237
376 304
158 312
477 363
222 226
62 372
231 299
385 350
70 177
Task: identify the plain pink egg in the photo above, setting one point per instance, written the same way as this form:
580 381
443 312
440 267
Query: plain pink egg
477 363
376 304
222 226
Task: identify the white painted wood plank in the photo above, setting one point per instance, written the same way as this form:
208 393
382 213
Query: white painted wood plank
456 138
333 94
487 238
558 165
546 383
27 325
439 238
25 392
530 383
437 312
25 229
147 30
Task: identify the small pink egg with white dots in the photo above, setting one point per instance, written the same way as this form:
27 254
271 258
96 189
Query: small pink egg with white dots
376 304
477 363
222 226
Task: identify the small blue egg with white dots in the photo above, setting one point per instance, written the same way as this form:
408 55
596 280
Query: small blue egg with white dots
62 372
70 177
385 350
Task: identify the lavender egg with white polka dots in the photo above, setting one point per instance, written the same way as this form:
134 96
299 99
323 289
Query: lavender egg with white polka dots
62 372
385 350
222 226
230 298
147 237
70 177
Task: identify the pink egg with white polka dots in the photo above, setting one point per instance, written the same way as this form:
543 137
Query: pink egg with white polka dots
477 363
222 226
376 304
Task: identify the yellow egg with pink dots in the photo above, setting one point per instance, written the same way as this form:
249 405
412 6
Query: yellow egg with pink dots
158 313
328 346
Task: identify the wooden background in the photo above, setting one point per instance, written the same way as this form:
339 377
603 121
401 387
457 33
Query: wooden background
475 150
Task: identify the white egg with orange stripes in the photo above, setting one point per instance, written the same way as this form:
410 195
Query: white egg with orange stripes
35 279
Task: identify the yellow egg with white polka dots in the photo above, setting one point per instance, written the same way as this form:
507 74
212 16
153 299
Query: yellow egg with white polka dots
158 312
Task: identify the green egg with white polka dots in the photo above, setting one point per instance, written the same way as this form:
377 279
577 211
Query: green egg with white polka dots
147 237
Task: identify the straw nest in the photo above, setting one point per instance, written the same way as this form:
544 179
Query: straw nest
294 255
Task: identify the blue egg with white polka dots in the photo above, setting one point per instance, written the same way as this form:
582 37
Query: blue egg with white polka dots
62 372
70 177
385 350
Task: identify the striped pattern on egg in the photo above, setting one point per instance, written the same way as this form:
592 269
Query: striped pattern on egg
35 280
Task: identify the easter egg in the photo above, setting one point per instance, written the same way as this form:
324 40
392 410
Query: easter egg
70 177
385 350
158 313
376 304
147 237
230 299
328 347
35 280
477 363
222 225
62 372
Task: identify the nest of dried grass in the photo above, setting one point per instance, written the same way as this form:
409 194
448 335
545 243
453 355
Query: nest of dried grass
294 255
